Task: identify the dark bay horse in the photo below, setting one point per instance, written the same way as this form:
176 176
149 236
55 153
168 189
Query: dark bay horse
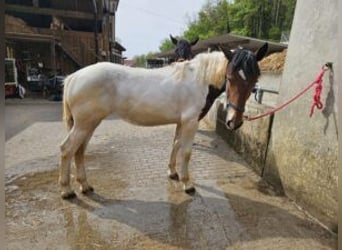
183 49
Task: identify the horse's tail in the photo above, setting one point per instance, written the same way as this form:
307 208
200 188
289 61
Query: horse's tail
67 116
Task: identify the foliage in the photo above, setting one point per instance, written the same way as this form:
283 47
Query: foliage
166 45
212 20
263 19
140 60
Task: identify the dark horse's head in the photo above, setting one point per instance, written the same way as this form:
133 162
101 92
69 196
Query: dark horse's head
242 75
183 48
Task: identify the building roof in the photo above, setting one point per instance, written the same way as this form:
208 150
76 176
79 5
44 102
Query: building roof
227 42
119 47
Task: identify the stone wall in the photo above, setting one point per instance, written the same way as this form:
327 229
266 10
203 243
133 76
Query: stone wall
269 80
303 150
251 140
296 153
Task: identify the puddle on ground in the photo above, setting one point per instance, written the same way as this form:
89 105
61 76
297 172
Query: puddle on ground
120 215
135 206
116 217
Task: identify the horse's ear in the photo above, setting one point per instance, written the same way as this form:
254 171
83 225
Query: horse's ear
193 42
261 52
174 40
214 47
228 54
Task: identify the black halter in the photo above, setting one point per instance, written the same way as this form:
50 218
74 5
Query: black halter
229 103
243 60
234 106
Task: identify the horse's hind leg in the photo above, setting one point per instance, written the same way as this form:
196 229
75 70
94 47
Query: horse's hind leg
68 148
81 176
175 147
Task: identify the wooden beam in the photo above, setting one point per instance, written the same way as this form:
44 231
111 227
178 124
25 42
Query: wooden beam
53 56
49 11
28 37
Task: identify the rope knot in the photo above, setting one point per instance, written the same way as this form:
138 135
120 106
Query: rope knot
318 90
316 99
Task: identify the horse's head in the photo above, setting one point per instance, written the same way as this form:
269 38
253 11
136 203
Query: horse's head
183 48
242 75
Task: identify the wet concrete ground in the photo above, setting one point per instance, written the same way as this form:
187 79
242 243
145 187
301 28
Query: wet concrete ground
135 206
20 114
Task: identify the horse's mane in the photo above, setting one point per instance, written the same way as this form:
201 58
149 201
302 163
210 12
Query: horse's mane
212 68
245 60
209 68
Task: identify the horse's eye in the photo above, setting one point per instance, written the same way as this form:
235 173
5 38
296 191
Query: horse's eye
230 77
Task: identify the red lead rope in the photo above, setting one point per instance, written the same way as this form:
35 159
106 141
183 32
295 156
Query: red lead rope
316 99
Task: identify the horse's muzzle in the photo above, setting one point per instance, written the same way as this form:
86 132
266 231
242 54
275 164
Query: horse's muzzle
232 125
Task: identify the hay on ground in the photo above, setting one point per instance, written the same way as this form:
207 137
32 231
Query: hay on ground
274 62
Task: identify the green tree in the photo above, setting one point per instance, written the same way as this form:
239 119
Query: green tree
263 19
140 60
166 45
212 20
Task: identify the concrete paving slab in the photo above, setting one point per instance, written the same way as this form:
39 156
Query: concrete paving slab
135 206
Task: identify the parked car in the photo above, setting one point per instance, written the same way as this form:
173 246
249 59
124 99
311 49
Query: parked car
36 80
53 88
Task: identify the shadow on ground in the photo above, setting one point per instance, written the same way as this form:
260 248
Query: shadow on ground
214 218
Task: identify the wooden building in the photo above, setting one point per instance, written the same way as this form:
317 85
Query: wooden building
60 37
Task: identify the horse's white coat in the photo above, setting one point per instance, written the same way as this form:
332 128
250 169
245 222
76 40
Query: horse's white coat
173 94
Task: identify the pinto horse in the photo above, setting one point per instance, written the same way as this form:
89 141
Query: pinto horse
214 93
174 94
183 52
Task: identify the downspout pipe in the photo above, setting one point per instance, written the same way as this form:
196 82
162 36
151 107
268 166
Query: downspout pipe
96 31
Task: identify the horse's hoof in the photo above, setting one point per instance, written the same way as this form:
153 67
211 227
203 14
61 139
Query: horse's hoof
174 177
87 190
190 191
68 195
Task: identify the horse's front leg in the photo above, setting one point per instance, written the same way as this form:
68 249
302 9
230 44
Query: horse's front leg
172 173
187 135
